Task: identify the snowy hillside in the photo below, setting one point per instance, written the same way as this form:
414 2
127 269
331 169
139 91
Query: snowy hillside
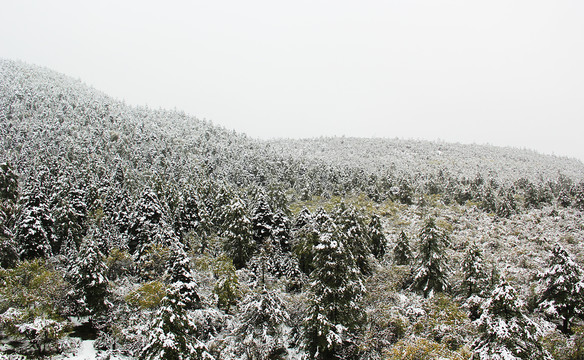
134 233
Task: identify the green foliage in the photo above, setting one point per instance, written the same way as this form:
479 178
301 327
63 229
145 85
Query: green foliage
444 322
119 264
153 263
148 295
35 288
424 349
402 254
227 286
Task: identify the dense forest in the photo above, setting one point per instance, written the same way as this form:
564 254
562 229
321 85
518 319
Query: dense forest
161 236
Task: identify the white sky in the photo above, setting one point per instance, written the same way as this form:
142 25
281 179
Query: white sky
503 72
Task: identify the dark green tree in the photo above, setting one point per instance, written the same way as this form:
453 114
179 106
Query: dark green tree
378 241
563 289
475 277
238 244
402 253
34 229
89 279
430 275
504 330
335 294
172 332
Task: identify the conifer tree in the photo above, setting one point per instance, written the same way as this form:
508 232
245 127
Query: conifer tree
180 276
89 279
563 288
431 273
263 221
8 183
351 225
239 244
377 238
402 254
505 331
227 286
336 290
263 318
146 222
70 227
172 332
475 278
34 230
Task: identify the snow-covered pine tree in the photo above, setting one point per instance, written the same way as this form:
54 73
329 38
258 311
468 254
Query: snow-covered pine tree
336 290
505 332
70 226
378 241
430 276
88 276
263 318
402 253
475 277
34 229
180 276
263 221
563 288
281 231
239 244
171 332
351 225
8 182
144 222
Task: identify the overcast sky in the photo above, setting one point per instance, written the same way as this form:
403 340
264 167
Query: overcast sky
503 72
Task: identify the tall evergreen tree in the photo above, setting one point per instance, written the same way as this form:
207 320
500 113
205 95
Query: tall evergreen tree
172 332
263 318
239 244
89 279
34 229
563 288
402 253
8 183
505 331
431 273
179 274
146 223
70 222
351 225
336 290
378 241
263 221
475 277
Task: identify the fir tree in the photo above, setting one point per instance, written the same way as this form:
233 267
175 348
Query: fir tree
377 238
71 215
402 254
336 290
89 280
180 276
263 221
147 220
281 232
505 332
8 183
239 244
431 273
475 278
351 225
263 318
563 288
34 230
172 332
